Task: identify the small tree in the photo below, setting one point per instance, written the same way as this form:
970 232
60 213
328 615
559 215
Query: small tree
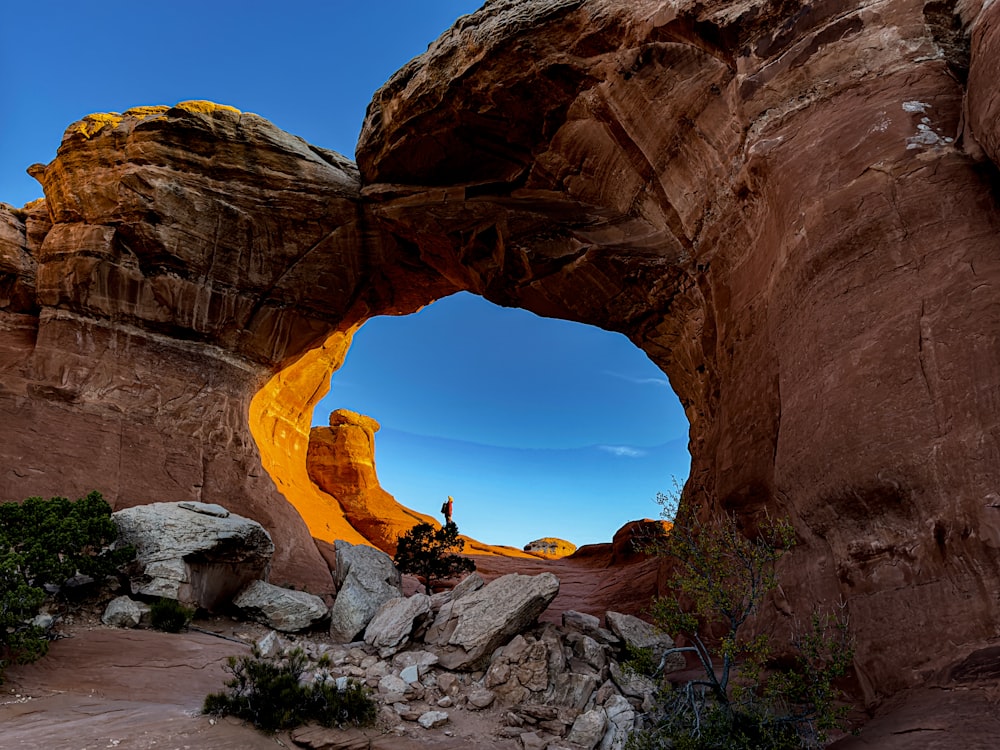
743 700
46 542
432 554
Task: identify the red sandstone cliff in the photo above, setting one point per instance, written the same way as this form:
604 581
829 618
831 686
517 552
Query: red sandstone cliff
790 207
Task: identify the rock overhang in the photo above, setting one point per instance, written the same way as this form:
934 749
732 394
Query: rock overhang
731 185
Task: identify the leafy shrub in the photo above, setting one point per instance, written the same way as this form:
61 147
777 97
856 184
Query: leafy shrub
270 694
169 615
639 661
745 699
432 554
46 542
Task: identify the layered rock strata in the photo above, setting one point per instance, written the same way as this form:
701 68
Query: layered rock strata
341 462
790 207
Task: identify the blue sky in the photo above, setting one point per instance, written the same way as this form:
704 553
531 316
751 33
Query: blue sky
537 427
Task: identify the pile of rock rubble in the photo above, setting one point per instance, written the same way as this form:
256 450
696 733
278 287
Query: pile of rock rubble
476 647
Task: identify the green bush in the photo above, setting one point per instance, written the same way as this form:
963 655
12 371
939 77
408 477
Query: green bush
42 543
745 699
432 554
269 693
170 616
639 661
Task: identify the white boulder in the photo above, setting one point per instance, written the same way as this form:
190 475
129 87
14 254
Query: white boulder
468 630
123 612
365 579
282 609
390 628
197 553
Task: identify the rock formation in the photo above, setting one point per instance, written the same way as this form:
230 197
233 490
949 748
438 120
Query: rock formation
366 579
197 553
790 207
279 608
341 463
550 548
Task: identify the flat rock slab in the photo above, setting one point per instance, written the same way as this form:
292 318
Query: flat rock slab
468 630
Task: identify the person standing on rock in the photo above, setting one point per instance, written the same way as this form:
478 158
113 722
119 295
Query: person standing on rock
446 509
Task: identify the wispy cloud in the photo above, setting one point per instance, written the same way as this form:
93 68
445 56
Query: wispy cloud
662 382
623 451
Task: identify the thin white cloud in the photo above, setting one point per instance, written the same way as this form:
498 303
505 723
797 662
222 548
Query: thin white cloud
663 382
623 451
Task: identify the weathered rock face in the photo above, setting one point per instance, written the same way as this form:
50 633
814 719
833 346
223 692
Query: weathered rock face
366 579
196 553
782 204
341 462
789 207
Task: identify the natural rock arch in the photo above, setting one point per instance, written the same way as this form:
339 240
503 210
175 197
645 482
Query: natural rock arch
788 207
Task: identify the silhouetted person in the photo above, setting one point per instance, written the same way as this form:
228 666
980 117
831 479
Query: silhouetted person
446 509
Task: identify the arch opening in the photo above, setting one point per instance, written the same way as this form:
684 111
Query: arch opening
523 464
538 427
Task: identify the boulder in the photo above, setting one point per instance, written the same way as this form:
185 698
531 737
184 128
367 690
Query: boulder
197 553
421 659
365 578
588 729
637 633
394 621
410 674
631 683
123 612
480 698
391 683
270 644
432 719
472 582
572 689
589 625
468 630
621 723
279 608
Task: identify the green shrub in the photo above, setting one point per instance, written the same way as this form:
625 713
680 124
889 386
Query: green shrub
745 699
46 542
170 616
639 661
432 554
269 693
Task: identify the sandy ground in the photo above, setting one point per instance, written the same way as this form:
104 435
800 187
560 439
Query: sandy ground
109 688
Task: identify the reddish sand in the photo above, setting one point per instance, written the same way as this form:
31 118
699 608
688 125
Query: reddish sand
106 688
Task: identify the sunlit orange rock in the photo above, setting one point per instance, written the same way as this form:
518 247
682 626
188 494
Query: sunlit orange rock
550 547
341 462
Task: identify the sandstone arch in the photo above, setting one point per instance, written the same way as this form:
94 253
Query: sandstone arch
791 208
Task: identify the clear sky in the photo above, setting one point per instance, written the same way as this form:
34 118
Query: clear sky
536 427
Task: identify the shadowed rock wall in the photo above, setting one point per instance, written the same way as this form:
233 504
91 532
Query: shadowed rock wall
790 207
